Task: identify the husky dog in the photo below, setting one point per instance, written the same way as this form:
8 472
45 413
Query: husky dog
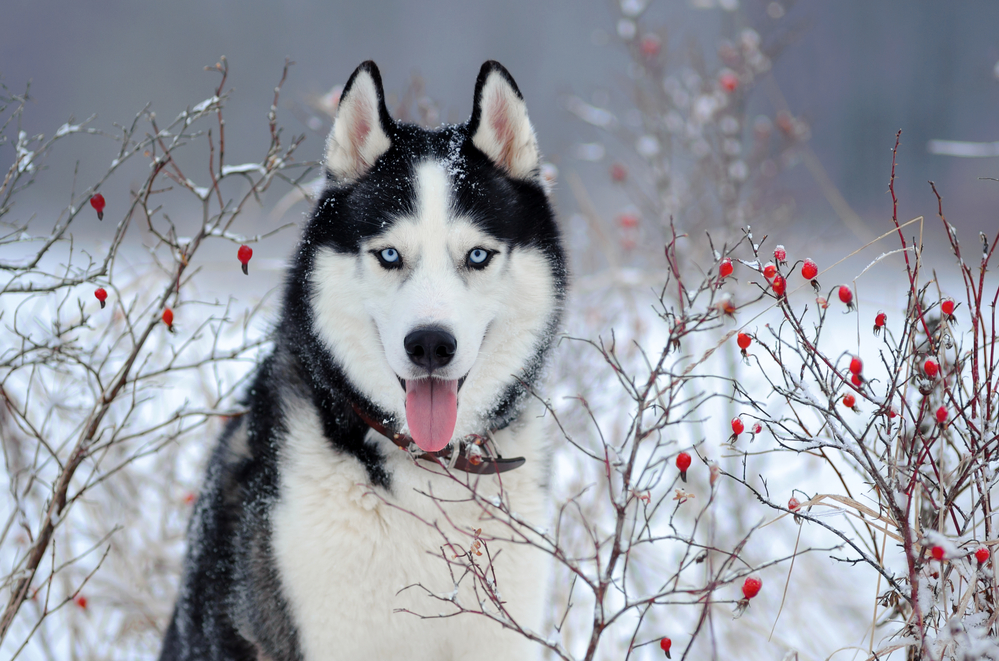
418 314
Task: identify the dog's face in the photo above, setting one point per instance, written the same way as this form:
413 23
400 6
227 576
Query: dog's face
438 274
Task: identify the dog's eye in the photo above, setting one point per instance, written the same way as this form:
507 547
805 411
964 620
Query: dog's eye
478 258
389 258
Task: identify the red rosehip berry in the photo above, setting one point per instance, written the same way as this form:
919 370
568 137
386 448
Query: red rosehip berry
849 401
618 172
744 341
751 587
809 270
856 365
793 504
168 319
97 202
101 295
80 601
981 555
725 268
941 415
650 45
757 428
948 307
846 295
729 81
737 426
930 367
664 645
780 255
628 220
683 463
779 285
937 552
892 413
879 322
243 255
856 380
769 271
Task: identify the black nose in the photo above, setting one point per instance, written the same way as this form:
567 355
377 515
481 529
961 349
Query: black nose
430 348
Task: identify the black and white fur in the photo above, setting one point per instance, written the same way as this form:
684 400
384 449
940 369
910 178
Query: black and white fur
310 524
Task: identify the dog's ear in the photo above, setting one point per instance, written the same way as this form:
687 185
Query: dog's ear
499 125
360 130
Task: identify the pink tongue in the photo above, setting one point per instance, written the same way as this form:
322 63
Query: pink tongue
431 411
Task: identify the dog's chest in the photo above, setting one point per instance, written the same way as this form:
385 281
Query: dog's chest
352 558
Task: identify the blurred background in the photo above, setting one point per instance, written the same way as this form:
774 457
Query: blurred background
716 113
853 71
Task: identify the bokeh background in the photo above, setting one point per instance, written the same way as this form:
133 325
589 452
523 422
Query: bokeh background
856 71
849 74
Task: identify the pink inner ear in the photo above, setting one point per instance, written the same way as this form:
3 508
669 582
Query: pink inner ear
359 128
499 120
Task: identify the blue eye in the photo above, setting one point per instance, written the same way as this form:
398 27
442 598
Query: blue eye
479 257
389 258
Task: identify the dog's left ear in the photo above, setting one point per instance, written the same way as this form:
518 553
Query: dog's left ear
499 125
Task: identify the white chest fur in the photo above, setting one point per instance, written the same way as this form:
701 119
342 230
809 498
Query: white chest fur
350 555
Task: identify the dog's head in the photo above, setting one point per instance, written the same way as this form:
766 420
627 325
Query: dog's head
432 274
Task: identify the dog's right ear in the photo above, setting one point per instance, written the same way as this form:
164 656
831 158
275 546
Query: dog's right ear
360 130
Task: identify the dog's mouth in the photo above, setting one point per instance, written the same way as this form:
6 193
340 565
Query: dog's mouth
431 410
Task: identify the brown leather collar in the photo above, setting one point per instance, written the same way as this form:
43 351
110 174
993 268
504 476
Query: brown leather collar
472 456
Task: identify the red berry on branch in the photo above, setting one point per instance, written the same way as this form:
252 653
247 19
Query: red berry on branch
243 255
650 45
809 270
101 295
856 365
168 319
97 202
664 645
628 220
80 601
618 172
725 268
846 296
780 255
769 271
856 380
744 341
879 322
683 463
737 426
941 414
948 307
937 552
779 285
849 401
751 587
793 504
757 428
981 555
931 367
728 80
